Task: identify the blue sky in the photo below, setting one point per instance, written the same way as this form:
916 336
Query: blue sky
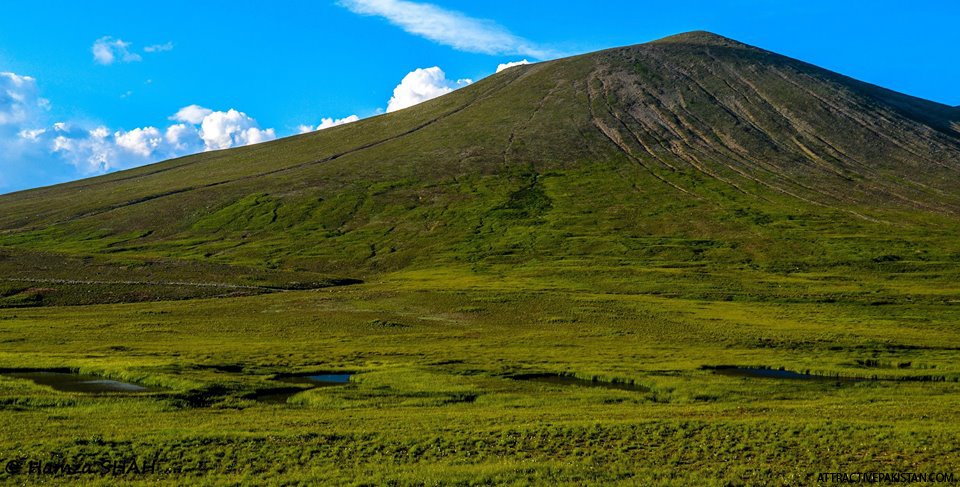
89 88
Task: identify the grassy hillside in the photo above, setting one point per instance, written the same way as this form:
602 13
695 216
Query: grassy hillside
694 149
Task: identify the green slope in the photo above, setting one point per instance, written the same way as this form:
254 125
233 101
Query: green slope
692 152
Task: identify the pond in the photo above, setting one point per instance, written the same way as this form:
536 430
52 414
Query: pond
279 395
317 379
766 373
67 381
567 380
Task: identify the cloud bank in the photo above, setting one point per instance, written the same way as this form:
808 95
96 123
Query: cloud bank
31 145
97 150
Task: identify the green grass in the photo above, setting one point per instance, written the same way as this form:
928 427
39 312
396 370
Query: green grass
433 401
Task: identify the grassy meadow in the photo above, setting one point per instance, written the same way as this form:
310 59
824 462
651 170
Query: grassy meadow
434 399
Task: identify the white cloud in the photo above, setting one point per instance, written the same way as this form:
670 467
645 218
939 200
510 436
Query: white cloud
107 50
193 114
222 130
141 141
31 134
168 46
447 27
326 123
183 138
91 152
421 85
501 67
19 100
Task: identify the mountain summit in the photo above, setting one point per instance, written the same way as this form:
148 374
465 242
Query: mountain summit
702 38
691 136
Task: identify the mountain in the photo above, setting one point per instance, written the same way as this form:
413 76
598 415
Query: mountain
693 151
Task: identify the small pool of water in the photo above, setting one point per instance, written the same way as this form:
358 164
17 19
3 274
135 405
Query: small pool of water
277 395
566 380
280 395
317 380
74 382
780 374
